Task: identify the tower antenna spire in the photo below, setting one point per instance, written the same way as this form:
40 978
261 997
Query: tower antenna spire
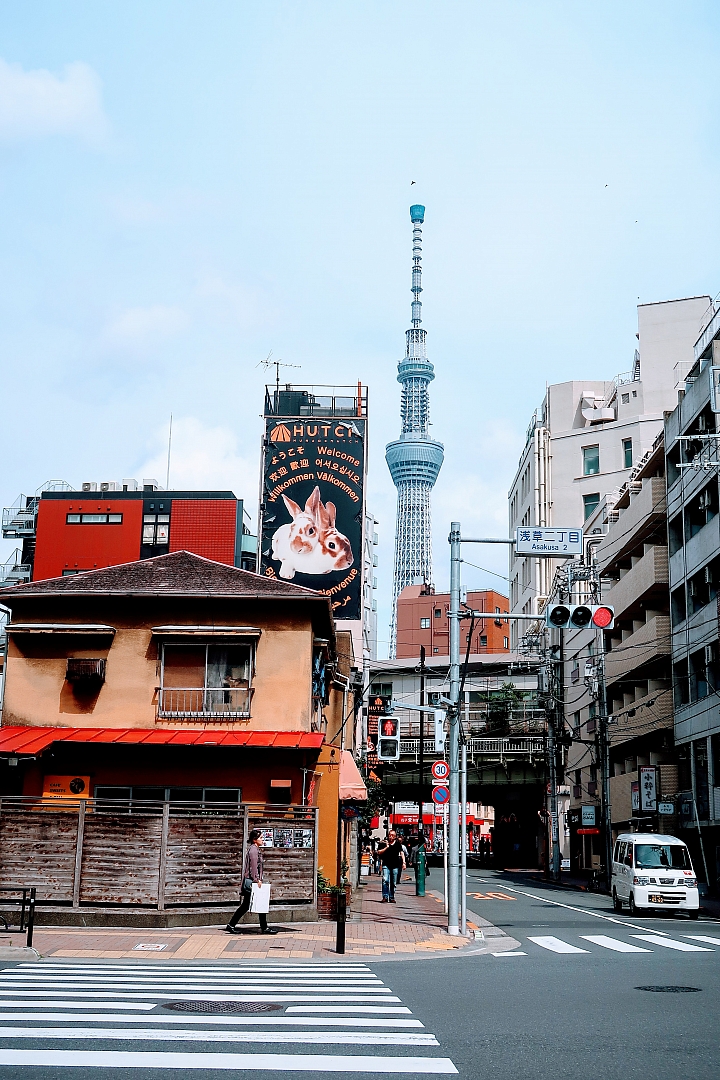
414 459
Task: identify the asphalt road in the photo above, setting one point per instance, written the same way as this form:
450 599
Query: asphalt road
559 996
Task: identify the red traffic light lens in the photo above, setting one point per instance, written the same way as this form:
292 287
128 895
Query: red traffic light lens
602 617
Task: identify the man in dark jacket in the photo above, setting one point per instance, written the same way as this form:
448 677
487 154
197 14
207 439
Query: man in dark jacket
393 860
252 874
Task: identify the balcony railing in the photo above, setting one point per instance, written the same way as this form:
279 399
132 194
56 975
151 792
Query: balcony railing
205 704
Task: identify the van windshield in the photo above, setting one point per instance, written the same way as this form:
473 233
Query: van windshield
662 856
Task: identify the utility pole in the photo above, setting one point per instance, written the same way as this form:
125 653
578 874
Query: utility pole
421 758
604 758
453 831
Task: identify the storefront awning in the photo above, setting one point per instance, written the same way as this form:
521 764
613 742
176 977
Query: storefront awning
352 785
33 740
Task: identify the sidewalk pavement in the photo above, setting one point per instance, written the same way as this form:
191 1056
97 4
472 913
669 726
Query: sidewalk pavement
412 927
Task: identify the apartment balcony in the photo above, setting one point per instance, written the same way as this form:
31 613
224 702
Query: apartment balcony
649 575
642 512
210 704
653 712
647 643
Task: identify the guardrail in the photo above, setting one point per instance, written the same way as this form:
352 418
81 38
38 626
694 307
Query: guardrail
501 747
27 913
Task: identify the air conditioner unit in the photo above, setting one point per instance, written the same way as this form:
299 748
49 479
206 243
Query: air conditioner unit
130 485
89 485
150 485
109 485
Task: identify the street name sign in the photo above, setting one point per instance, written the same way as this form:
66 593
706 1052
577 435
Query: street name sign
548 543
440 771
666 808
441 795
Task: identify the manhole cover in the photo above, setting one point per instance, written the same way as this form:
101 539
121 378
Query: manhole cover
670 989
222 1006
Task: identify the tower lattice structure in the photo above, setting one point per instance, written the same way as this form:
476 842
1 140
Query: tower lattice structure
414 459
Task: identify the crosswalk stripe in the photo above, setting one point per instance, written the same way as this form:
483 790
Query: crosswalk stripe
700 937
261 1021
615 944
368 1038
670 943
556 945
130 1059
347 1009
500 954
244 996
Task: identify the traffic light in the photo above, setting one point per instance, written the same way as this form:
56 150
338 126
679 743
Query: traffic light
579 617
439 721
389 739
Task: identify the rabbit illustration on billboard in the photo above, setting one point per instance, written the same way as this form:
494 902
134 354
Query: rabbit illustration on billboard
310 543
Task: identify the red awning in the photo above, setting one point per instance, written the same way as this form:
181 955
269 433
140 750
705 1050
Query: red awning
33 740
352 785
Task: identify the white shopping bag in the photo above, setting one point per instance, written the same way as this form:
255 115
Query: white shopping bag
260 898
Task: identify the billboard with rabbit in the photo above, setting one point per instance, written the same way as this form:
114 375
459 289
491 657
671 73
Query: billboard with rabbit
313 505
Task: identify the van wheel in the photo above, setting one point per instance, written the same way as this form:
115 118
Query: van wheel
617 902
634 911
693 914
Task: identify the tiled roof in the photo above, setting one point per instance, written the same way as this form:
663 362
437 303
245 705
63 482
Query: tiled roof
179 573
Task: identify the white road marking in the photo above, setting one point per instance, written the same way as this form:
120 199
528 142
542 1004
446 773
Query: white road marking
554 944
499 954
699 937
31 1002
224 1019
113 1059
570 907
613 943
272 984
347 1009
244 996
369 1038
670 943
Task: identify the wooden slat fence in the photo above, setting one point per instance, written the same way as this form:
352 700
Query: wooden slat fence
160 856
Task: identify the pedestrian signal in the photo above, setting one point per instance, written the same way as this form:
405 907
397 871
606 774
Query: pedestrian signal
389 739
439 719
579 617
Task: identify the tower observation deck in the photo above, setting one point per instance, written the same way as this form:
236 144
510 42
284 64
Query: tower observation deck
414 459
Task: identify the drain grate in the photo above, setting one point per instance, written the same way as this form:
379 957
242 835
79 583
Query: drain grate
670 989
222 1006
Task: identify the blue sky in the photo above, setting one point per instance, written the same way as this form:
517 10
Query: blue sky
186 187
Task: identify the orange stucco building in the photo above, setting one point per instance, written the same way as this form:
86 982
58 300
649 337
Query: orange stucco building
181 682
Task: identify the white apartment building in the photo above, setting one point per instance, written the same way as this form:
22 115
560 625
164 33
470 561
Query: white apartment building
586 437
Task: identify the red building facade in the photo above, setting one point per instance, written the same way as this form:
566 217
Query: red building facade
89 530
422 619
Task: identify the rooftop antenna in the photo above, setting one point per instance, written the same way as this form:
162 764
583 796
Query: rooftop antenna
277 364
167 478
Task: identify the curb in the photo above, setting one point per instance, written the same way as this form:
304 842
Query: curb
21 954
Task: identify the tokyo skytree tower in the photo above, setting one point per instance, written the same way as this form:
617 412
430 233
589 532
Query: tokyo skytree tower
414 459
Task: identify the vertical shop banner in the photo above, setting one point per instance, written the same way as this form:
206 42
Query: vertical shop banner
648 788
313 507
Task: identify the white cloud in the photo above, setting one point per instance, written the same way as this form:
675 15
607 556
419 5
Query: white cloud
202 458
139 327
36 103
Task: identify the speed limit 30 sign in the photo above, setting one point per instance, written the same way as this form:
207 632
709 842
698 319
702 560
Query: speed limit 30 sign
440 771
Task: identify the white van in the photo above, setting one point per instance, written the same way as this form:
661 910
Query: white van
653 871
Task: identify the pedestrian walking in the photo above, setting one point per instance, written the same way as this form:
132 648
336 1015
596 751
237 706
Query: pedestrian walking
252 875
392 860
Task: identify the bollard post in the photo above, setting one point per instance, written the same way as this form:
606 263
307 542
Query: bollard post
420 867
341 917
31 919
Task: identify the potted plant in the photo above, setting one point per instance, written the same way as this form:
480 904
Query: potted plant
327 895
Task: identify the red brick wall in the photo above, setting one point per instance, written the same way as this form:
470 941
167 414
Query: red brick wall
204 526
